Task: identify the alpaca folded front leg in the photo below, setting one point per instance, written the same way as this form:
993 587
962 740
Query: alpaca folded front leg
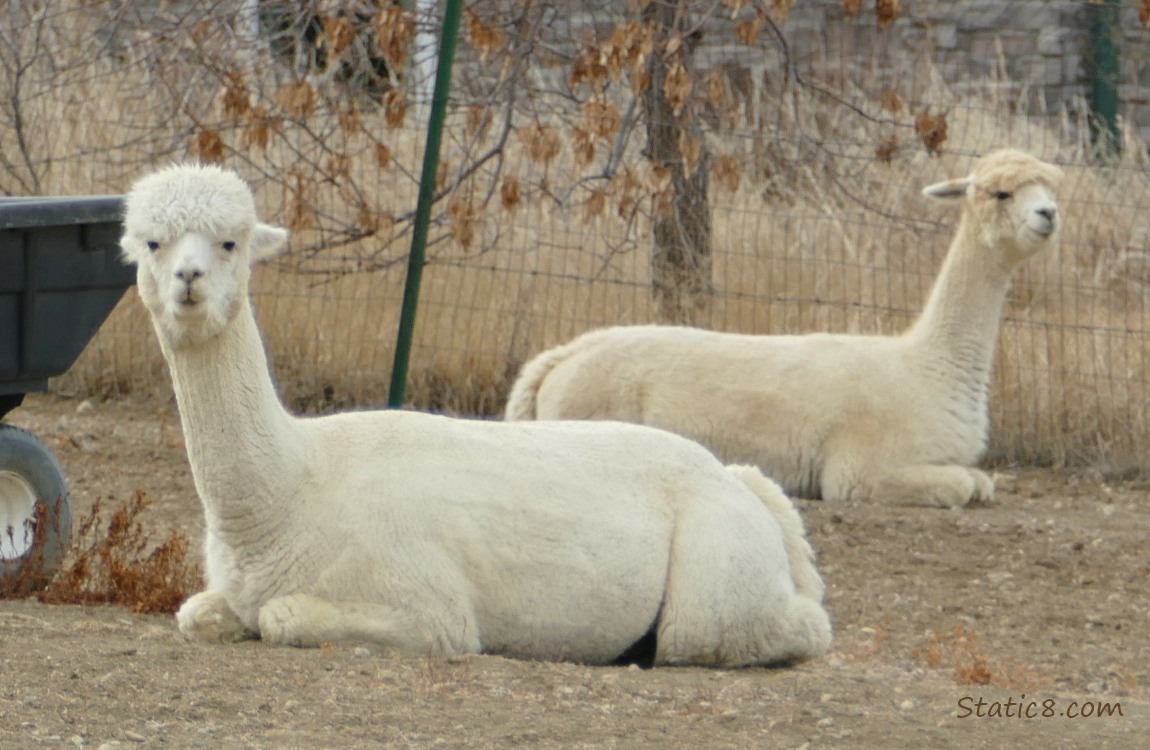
207 617
948 486
307 621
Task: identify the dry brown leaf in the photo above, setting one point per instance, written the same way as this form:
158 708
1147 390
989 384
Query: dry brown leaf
886 11
931 129
510 193
594 206
781 9
338 166
715 87
582 146
395 107
373 221
300 214
382 155
589 66
747 32
852 6
297 98
478 121
601 118
258 132
209 147
891 101
727 172
1144 12
541 141
627 48
235 97
485 38
462 220
640 81
691 150
394 29
886 149
659 188
338 34
442 170
349 121
677 87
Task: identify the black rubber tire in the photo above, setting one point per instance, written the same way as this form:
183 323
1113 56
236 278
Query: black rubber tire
31 556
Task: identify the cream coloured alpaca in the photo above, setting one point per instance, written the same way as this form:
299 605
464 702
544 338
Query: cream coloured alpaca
900 419
430 534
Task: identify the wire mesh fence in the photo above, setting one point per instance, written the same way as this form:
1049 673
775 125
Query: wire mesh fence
744 165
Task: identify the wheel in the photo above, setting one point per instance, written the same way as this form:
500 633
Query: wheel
35 512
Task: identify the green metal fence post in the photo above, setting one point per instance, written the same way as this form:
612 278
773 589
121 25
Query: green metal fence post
451 14
1104 33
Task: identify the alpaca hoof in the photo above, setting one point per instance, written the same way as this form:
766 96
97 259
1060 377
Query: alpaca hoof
286 621
206 617
983 487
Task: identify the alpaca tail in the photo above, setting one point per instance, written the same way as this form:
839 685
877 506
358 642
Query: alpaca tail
808 582
521 401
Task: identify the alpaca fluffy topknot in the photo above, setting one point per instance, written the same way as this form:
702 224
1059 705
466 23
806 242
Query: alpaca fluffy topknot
183 198
1010 169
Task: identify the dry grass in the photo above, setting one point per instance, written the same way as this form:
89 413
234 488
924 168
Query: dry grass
961 652
118 563
820 234
36 570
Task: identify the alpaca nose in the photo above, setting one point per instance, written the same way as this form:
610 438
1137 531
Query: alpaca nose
188 275
1048 212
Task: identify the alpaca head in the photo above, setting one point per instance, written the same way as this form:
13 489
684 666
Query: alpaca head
1009 202
192 232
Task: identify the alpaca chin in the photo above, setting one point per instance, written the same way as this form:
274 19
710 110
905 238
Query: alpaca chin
187 325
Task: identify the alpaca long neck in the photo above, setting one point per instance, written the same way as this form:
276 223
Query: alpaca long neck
955 336
242 444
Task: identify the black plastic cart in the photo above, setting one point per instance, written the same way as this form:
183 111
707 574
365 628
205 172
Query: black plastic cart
60 278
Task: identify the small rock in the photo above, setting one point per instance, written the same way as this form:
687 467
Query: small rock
133 736
362 652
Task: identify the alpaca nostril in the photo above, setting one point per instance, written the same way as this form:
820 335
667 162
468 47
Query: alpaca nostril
1047 213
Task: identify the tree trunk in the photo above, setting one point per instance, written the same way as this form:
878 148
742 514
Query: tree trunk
681 256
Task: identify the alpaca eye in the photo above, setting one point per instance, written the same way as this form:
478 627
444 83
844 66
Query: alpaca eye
229 246
1002 195
153 245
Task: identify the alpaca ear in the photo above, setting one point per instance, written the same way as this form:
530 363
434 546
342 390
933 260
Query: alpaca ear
268 241
948 190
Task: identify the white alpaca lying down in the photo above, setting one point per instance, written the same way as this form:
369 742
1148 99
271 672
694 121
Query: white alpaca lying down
892 418
431 534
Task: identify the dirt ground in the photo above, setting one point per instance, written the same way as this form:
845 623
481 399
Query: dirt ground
948 626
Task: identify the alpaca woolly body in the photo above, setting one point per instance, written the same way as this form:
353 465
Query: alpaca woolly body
431 534
899 419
